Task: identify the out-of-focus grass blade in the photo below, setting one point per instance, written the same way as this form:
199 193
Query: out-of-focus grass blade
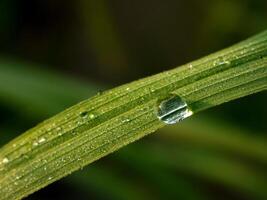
32 90
199 162
161 177
103 180
219 136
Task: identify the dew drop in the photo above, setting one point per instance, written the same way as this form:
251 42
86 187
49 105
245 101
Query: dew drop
99 93
5 160
91 116
35 144
152 90
190 66
41 140
221 61
84 114
126 120
173 109
225 62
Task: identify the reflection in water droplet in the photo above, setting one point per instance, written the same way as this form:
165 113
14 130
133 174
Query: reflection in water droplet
173 110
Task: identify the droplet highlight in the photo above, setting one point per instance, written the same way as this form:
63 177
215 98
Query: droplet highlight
41 140
91 116
221 62
5 160
173 110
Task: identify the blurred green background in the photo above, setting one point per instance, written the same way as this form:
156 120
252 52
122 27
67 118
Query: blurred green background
54 54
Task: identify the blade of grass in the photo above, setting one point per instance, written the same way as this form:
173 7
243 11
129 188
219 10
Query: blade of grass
103 124
98 179
38 81
38 92
102 35
198 162
101 180
19 74
159 176
199 130
218 136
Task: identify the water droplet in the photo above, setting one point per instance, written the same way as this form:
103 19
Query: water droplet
5 160
190 66
84 114
78 123
173 109
26 156
221 61
35 144
152 90
91 116
41 140
225 62
125 120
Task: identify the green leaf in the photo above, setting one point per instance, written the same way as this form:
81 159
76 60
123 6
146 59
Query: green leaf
216 135
199 162
106 122
28 96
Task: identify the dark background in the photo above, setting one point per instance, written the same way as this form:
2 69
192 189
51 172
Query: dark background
102 44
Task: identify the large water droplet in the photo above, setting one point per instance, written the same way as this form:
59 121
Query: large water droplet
173 109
